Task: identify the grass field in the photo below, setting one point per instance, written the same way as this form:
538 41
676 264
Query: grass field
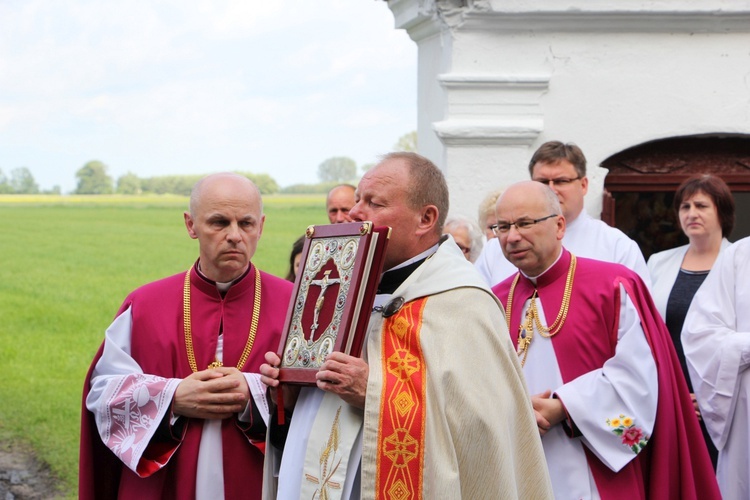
67 263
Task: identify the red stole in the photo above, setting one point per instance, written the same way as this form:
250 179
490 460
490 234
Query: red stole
158 345
401 427
675 463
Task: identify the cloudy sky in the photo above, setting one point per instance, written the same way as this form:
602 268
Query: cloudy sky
198 86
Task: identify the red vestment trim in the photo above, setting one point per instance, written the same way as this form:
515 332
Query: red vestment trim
402 406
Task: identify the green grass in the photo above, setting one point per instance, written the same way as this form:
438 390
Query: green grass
66 265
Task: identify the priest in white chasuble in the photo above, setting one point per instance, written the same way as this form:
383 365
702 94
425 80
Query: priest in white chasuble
173 402
716 337
610 399
437 407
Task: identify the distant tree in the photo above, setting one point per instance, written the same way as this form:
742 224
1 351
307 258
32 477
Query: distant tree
367 166
93 179
22 182
337 169
407 142
128 184
266 184
321 188
183 184
56 189
170 184
5 187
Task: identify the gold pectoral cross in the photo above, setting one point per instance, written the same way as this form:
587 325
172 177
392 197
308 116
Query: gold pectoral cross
215 364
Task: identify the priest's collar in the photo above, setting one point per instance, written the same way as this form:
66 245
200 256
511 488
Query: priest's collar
221 286
552 272
392 278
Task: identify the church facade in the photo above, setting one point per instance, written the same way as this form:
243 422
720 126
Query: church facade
651 90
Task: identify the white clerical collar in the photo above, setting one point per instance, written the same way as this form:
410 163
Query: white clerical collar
533 279
221 286
416 258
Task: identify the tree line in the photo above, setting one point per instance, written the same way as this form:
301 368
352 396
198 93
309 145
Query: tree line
21 181
93 178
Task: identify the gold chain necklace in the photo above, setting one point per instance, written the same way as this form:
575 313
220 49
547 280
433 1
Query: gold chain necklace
189 331
526 328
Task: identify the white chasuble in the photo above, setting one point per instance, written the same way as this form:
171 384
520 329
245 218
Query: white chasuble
301 441
479 437
328 456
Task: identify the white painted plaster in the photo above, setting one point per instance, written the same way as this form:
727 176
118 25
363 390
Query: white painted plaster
497 78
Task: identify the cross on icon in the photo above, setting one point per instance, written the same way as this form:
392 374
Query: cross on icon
323 283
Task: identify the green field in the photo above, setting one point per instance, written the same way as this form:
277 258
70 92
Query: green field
67 264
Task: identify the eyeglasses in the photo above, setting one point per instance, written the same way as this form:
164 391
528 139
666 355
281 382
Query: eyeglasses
521 225
559 182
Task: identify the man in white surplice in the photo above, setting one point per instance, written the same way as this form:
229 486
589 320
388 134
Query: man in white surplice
437 408
563 168
716 339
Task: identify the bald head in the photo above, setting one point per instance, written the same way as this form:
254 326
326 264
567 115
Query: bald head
339 201
220 180
535 246
226 217
537 192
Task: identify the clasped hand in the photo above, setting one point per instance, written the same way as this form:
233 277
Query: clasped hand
548 411
216 393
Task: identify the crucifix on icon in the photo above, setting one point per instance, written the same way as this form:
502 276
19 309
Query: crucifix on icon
323 284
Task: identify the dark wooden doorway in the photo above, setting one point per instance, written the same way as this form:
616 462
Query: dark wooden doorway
640 185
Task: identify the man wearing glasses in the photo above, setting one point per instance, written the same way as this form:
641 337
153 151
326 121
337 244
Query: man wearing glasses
611 403
563 168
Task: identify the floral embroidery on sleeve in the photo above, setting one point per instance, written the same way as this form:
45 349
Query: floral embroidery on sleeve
632 436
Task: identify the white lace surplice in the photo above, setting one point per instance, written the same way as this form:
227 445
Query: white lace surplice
128 406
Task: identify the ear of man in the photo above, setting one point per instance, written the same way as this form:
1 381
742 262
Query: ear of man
428 221
189 224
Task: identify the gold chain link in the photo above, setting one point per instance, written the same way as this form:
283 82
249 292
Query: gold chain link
525 329
189 331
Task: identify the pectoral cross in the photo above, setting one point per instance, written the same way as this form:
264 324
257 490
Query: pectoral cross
323 284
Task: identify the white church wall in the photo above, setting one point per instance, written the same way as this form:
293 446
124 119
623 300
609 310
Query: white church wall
495 84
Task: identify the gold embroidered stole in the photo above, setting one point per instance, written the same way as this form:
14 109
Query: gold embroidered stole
329 449
401 428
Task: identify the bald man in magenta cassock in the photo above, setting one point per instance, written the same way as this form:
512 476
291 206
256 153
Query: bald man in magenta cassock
174 406
611 402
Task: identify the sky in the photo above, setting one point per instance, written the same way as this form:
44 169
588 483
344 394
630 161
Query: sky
200 86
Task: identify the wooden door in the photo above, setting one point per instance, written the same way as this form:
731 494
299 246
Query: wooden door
640 185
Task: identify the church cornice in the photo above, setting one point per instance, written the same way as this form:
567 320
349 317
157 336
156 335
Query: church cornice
609 21
590 16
